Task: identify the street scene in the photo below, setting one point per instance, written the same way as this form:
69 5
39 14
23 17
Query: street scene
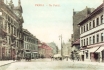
51 35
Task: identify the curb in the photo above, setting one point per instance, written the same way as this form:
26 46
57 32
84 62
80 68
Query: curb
7 63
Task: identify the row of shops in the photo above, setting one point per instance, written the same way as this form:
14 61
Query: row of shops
94 54
32 55
88 44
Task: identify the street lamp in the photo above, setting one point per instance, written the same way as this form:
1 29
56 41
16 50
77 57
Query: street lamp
60 38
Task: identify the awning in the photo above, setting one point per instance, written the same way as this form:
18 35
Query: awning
66 55
27 52
100 49
57 55
34 52
92 49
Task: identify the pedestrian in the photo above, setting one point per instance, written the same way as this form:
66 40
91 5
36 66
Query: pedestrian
15 57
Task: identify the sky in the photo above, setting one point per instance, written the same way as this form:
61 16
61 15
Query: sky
52 18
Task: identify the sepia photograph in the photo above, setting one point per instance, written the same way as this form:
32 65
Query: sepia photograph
51 34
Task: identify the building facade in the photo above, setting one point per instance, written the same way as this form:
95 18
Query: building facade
77 17
66 49
45 51
11 22
30 45
92 36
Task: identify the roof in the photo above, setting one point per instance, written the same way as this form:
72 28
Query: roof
76 42
92 14
45 46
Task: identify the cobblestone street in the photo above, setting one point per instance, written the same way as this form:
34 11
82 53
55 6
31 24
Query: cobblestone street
48 64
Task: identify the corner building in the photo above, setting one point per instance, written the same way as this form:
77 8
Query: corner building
92 36
77 17
11 21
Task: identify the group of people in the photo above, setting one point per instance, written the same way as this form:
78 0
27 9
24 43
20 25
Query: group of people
16 57
56 58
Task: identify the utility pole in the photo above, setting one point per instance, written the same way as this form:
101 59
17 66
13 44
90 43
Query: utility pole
60 38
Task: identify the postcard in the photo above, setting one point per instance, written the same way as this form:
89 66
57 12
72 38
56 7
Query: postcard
51 34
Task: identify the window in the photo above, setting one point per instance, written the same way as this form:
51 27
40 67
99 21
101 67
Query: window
84 42
102 19
87 27
86 55
97 21
101 37
89 40
97 38
93 39
11 29
90 25
93 23
84 28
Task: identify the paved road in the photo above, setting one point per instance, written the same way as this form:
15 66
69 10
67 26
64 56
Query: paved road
51 65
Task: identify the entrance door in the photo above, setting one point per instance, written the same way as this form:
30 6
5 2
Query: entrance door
82 57
103 56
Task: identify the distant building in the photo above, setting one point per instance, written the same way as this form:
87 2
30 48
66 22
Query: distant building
45 51
54 47
30 45
66 49
92 36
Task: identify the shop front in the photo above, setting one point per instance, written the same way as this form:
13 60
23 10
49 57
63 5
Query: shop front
34 55
95 54
102 56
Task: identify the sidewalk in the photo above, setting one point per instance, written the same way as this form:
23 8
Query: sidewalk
2 63
85 62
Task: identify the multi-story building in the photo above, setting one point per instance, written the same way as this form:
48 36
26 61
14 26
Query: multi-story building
30 44
77 17
11 22
92 35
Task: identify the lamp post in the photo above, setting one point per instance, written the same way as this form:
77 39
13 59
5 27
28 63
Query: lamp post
60 38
